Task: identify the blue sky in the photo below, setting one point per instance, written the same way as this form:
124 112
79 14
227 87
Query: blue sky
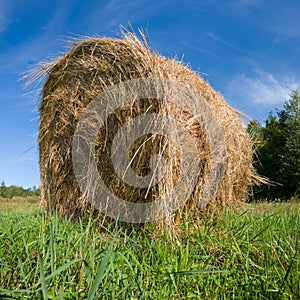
248 50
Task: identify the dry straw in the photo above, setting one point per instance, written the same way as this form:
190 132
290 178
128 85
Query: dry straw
91 67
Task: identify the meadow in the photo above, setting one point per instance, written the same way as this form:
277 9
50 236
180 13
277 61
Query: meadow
251 253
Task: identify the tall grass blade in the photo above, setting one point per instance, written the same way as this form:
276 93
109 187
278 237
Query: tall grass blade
43 279
59 270
288 270
100 274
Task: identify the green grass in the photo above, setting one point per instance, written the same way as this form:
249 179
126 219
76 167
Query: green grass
250 254
19 204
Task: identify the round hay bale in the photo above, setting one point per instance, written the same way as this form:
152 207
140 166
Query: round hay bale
95 65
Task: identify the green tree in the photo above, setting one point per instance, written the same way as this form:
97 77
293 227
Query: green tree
17 191
278 150
291 163
2 189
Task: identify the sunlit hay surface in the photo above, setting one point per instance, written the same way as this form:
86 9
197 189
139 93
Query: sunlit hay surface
96 64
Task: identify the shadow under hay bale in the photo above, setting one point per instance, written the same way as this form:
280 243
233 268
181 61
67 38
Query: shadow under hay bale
93 66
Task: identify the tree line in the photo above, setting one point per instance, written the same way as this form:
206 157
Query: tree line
17 191
278 151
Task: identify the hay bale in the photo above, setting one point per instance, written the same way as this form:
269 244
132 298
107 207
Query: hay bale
93 66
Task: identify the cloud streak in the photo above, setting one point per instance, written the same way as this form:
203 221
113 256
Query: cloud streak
237 7
222 41
116 13
264 88
4 19
4 22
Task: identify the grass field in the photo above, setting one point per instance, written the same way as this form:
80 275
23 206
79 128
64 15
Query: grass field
250 254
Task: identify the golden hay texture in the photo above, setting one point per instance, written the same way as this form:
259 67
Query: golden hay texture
91 67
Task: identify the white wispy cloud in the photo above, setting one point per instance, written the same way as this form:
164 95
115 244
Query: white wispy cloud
4 15
4 22
118 12
27 53
247 3
222 41
263 88
286 21
236 7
